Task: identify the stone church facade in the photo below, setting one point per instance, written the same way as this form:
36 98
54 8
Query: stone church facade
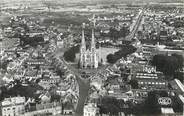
88 57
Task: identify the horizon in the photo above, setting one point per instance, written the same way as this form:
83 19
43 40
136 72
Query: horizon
96 1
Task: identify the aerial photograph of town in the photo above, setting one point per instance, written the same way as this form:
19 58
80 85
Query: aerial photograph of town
91 57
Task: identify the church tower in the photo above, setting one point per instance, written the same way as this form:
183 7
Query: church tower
94 59
88 57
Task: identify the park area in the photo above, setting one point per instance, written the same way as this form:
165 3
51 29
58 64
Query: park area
106 55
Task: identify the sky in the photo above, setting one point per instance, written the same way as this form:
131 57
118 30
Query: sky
91 1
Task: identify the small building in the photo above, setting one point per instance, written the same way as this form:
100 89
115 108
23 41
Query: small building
167 111
35 62
114 84
68 109
31 74
91 110
45 98
148 50
50 80
60 41
163 35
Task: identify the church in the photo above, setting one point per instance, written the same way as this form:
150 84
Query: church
88 57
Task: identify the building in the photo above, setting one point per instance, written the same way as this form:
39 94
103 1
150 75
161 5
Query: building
153 83
91 110
44 109
13 106
149 78
68 109
45 97
35 62
148 50
48 82
88 57
60 41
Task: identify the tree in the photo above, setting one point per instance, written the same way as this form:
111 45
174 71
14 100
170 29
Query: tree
123 32
113 33
110 58
180 60
177 105
168 64
18 89
179 75
134 84
123 52
56 98
69 56
4 64
60 72
109 105
151 103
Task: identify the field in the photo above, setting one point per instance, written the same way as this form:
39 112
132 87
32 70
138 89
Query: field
63 18
4 18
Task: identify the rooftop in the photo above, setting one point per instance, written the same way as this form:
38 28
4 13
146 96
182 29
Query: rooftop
13 101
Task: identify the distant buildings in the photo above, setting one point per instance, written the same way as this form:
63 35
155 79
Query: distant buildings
7 43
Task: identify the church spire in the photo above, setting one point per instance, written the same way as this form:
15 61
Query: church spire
93 46
83 43
93 39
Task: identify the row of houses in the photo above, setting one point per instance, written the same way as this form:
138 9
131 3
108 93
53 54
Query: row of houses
19 106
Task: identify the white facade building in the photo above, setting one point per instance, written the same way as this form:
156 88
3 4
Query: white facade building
91 110
88 57
14 106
